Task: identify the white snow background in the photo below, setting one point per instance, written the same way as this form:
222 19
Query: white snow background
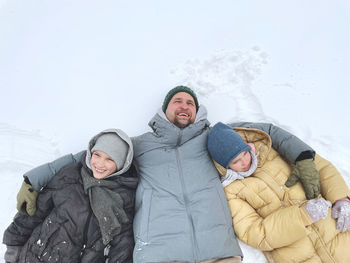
69 69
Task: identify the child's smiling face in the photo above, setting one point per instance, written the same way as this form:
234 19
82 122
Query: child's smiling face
102 165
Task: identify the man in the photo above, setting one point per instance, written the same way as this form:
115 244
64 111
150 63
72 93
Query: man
181 210
181 213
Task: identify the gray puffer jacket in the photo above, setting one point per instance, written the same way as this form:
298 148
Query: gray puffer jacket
286 144
181 209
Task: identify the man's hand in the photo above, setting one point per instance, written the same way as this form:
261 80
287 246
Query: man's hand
305 171
26 199
341 212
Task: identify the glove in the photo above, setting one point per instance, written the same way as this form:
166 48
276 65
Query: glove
341 212
26 199
317 208
305 172
12 254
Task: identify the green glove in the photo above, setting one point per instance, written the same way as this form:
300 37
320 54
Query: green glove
305 171
26 199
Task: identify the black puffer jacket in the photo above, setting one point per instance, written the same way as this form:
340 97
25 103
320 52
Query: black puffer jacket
64 228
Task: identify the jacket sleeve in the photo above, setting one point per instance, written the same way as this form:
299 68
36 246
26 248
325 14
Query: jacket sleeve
19 231
286 144
121 247
333 186
280 228
41 175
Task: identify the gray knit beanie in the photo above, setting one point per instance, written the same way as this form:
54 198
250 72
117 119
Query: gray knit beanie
114 146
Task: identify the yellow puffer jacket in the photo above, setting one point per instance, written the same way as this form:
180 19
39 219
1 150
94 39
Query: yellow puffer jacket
269 216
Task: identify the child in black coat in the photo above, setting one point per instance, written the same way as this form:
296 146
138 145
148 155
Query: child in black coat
86 211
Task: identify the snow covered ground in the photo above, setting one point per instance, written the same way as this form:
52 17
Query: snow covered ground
70 69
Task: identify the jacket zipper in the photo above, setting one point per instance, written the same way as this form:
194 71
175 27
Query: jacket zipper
86 227
185 196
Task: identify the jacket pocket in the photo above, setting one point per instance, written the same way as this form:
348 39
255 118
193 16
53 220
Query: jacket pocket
142 217
48 244
224 205
45 236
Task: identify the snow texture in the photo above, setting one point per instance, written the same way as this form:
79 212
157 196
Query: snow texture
69 69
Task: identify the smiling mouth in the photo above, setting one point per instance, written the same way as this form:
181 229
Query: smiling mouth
100 170
183 115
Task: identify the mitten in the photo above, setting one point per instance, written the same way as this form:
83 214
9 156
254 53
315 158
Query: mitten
317 208
341 212
12 254
26 199
305 171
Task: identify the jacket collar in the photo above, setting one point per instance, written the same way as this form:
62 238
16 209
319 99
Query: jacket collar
172 135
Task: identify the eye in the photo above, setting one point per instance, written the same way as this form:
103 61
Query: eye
235 161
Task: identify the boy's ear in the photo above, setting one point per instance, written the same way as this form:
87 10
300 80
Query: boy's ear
252 146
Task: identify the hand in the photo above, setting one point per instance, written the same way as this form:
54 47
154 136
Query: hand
26 199
341 212
317 208
306 172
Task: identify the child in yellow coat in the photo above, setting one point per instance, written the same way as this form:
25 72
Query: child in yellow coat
271 217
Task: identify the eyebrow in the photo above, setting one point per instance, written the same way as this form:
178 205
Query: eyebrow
186 100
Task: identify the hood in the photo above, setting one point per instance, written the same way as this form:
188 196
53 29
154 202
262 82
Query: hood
173 135
167 134
124 137
166 129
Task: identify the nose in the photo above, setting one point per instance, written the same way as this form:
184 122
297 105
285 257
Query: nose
184 105
98 163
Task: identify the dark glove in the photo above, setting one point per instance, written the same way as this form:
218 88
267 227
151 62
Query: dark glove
305 171
12 254
26 199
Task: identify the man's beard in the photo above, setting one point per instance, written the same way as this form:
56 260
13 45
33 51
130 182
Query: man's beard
182 125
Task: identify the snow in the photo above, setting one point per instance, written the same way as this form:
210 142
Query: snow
69 69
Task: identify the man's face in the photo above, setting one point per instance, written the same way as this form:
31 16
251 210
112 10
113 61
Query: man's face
181 110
